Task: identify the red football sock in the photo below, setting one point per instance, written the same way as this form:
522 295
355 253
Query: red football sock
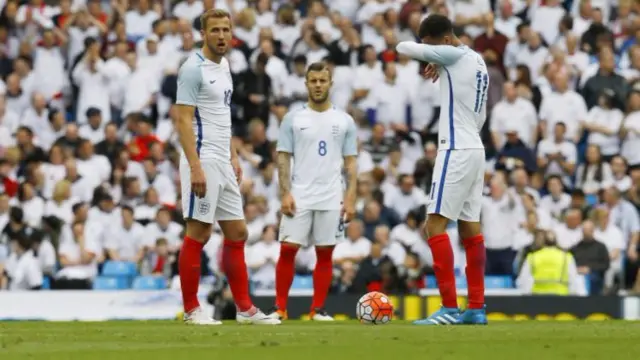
443 266
322 276
476 258
285 269
235 269
189 271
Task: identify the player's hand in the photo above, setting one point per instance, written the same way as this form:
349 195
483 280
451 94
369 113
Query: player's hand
431 72
288 205
348 212
198 181
237 169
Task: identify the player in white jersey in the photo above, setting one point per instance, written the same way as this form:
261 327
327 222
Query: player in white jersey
458 177
210 172
322 141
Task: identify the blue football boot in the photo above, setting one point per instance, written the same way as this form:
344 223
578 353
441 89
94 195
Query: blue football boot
474 317
444 316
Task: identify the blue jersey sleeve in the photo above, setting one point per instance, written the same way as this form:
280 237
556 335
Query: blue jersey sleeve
435 54
189 81
350 145
285 135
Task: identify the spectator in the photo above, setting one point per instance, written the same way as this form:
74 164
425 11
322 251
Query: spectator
515 154
595 174
125 240
262 257
557 201
563 105
592 258
498 225
78 259
356 247
557 156
611 236
513 113
379 146
407 196
619 170
543 280
570 231
603 124
22 266
606 78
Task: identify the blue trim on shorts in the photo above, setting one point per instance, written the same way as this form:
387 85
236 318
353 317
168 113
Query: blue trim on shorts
452 134
192 197
442 179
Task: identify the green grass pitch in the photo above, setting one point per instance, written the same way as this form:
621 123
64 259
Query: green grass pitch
302 340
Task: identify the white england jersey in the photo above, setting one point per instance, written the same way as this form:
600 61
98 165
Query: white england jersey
208 86
464 82
318 142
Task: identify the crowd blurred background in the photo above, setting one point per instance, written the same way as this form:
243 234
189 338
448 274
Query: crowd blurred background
88 153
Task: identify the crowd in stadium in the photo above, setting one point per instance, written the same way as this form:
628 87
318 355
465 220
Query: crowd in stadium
88 154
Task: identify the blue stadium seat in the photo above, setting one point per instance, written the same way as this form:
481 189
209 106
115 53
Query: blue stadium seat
46 283
302 282
149 283
430 282
119 269
110 283
498 282
461 282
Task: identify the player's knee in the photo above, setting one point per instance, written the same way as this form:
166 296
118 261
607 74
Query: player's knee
436 224
468 229
199 231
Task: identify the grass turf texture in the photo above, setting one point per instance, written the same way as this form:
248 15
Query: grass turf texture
302 340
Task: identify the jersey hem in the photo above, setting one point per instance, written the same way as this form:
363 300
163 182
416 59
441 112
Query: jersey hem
186 103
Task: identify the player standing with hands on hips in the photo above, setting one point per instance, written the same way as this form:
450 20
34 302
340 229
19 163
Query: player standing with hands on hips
210 172
322 142
458 177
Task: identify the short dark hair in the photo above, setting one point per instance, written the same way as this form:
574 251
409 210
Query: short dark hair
435 26
318 66
127 208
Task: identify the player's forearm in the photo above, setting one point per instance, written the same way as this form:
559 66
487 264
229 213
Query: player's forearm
284 172
435 54
187 140
351 167
635 239
234 151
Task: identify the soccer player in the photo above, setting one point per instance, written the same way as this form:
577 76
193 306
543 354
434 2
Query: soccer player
456 191
320 139
210 172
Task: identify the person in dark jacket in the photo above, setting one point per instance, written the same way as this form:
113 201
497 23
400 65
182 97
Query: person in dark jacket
606 78
515 154
592 258
254 94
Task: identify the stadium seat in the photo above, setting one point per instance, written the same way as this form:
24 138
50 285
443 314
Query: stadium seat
430 282
498 282
46 283
461 282
110 283
302 282
119 269
149 283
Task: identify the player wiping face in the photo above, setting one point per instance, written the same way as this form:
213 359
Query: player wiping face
461 71
456 193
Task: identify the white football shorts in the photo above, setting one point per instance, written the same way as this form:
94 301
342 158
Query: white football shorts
457 184
222 201
312 227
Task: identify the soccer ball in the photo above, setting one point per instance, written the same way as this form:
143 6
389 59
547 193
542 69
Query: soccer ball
374 308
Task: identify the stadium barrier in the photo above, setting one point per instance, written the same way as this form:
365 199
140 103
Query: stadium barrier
166 304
